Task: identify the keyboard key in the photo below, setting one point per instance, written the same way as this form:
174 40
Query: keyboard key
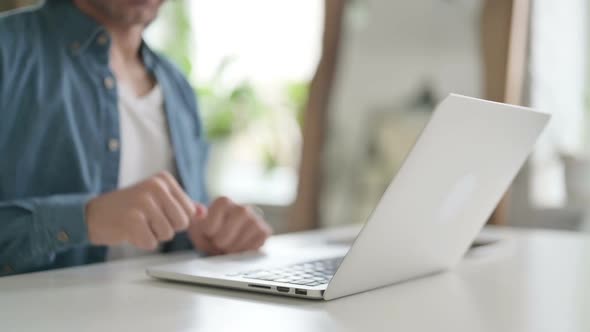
302 282
308 273
270 278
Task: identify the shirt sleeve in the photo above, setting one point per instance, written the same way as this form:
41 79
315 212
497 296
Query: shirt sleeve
36 228
2 75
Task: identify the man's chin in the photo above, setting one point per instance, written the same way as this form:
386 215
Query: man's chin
137 2
140 18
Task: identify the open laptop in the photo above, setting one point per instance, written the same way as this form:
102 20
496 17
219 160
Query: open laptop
451 181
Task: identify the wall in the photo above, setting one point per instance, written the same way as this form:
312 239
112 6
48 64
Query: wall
391 50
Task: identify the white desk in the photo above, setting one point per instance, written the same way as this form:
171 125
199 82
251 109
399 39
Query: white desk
531 281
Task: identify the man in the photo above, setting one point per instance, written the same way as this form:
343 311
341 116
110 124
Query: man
101 143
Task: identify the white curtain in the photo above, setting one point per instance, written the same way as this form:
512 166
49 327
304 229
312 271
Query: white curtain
558 86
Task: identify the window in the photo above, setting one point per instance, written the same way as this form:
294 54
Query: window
250 62
558 84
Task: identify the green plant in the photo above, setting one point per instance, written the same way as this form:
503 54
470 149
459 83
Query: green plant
297 94
178 37
270 159
225 110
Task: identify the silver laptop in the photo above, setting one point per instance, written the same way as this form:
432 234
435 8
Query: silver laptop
448 186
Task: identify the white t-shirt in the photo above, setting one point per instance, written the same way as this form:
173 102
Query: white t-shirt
145 142
145 145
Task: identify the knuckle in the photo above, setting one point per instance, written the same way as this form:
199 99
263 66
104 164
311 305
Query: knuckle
156 184
267 230
137 230
151 245
134 218
251 224
181 224
242 211
160 224
133 215
262 235
221 244
168 235
150 182
223 201
255 222
164 175
160 186
144 199
259 244
260 241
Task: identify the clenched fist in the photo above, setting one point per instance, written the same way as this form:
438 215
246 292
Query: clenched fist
227 227
143 215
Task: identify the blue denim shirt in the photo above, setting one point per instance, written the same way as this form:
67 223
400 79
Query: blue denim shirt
58 113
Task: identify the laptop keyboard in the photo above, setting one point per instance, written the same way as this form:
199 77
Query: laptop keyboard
312 273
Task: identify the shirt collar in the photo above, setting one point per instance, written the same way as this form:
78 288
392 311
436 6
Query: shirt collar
148 56
78 29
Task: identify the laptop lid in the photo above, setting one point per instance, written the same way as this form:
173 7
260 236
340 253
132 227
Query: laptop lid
449 185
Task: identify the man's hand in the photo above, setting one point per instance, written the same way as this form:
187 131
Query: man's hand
143 215
227 227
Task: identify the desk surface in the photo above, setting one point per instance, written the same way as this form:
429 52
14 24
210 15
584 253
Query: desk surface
530 281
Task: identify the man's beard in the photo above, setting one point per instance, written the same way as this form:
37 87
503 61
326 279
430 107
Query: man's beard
110 11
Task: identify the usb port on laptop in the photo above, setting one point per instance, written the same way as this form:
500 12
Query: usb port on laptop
283 289
300 291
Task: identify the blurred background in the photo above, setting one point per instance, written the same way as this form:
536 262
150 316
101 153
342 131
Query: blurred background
311 106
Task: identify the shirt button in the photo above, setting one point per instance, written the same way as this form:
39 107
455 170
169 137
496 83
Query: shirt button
63 237
113 144
75 46
102 40
109 83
